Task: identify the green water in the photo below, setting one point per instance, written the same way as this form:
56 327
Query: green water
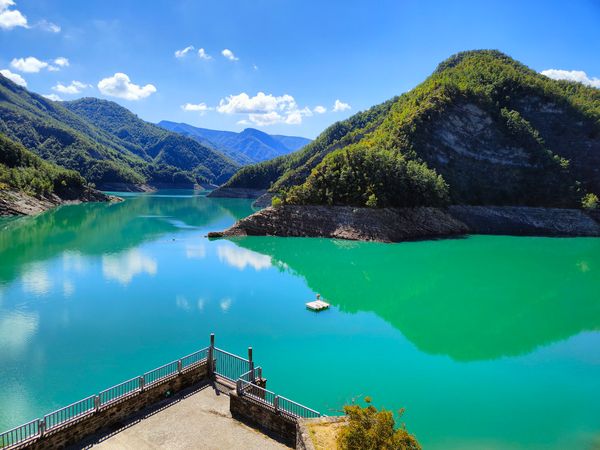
488 341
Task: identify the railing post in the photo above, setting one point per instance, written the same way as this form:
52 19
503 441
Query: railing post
97 402
179 366
252 377
211 356
238 386
276 403
42 427
142 382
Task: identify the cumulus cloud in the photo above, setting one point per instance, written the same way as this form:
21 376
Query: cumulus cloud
572 75
340 106
320 109
184 51
11 18
30 64
229 55
119 85
53 97
61 61
264 109
201 107
74 88
203 55
14 77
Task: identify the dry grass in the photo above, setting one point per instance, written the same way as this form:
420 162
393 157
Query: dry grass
324 435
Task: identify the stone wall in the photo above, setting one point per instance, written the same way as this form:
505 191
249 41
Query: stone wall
115 413
264 418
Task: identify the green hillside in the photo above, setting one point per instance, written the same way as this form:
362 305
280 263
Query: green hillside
493 130
23 171
103 152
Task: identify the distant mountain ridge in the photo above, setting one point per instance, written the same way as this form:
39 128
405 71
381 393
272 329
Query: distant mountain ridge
247 147
106 143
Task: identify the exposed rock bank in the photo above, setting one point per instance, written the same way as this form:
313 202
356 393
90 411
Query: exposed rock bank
526 221
13 203
402 224
346 222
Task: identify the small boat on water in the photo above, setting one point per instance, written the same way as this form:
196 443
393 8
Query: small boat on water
317 305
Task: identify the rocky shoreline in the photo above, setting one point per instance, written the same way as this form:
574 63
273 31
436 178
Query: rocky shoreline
404 224
14 203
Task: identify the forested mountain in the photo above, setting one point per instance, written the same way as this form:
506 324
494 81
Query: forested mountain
482 129
105 142
247 147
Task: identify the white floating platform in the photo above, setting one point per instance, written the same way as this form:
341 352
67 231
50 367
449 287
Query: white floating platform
317 305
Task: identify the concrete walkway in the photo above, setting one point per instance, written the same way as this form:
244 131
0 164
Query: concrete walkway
199 420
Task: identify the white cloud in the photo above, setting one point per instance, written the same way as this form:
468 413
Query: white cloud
254 66
203 55
195 251
201 107
14 77
53 97
182 303
572 75
125 266
30 64
48 26
264 109
74 88
184 51
242 258
61 61
340 106
11 18
119 85
320 109
229 55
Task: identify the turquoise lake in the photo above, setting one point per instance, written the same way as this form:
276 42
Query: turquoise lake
486 341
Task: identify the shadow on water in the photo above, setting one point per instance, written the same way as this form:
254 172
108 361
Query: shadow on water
471 299
99 228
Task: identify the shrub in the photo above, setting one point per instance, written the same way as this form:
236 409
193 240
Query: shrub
276 202
590 201
371 429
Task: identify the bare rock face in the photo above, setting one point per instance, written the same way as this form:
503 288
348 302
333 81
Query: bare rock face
346 222
526 221
14 203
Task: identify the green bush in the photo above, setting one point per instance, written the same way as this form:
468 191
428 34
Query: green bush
590 201
276 202
372 429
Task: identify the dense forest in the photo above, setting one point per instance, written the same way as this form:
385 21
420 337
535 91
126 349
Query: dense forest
482 129
105 142
23 171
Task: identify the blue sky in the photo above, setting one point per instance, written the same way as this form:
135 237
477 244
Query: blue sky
301 55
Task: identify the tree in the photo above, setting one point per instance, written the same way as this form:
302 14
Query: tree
371 429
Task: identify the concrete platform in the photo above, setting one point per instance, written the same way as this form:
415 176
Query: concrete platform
196 420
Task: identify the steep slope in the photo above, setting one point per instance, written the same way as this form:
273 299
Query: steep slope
64 137
496 131
249 146
28 184
153 143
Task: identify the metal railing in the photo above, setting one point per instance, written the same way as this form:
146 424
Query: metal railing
246 387
71 412
89 405
124 389
229 366
20 434
161 373
226 365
